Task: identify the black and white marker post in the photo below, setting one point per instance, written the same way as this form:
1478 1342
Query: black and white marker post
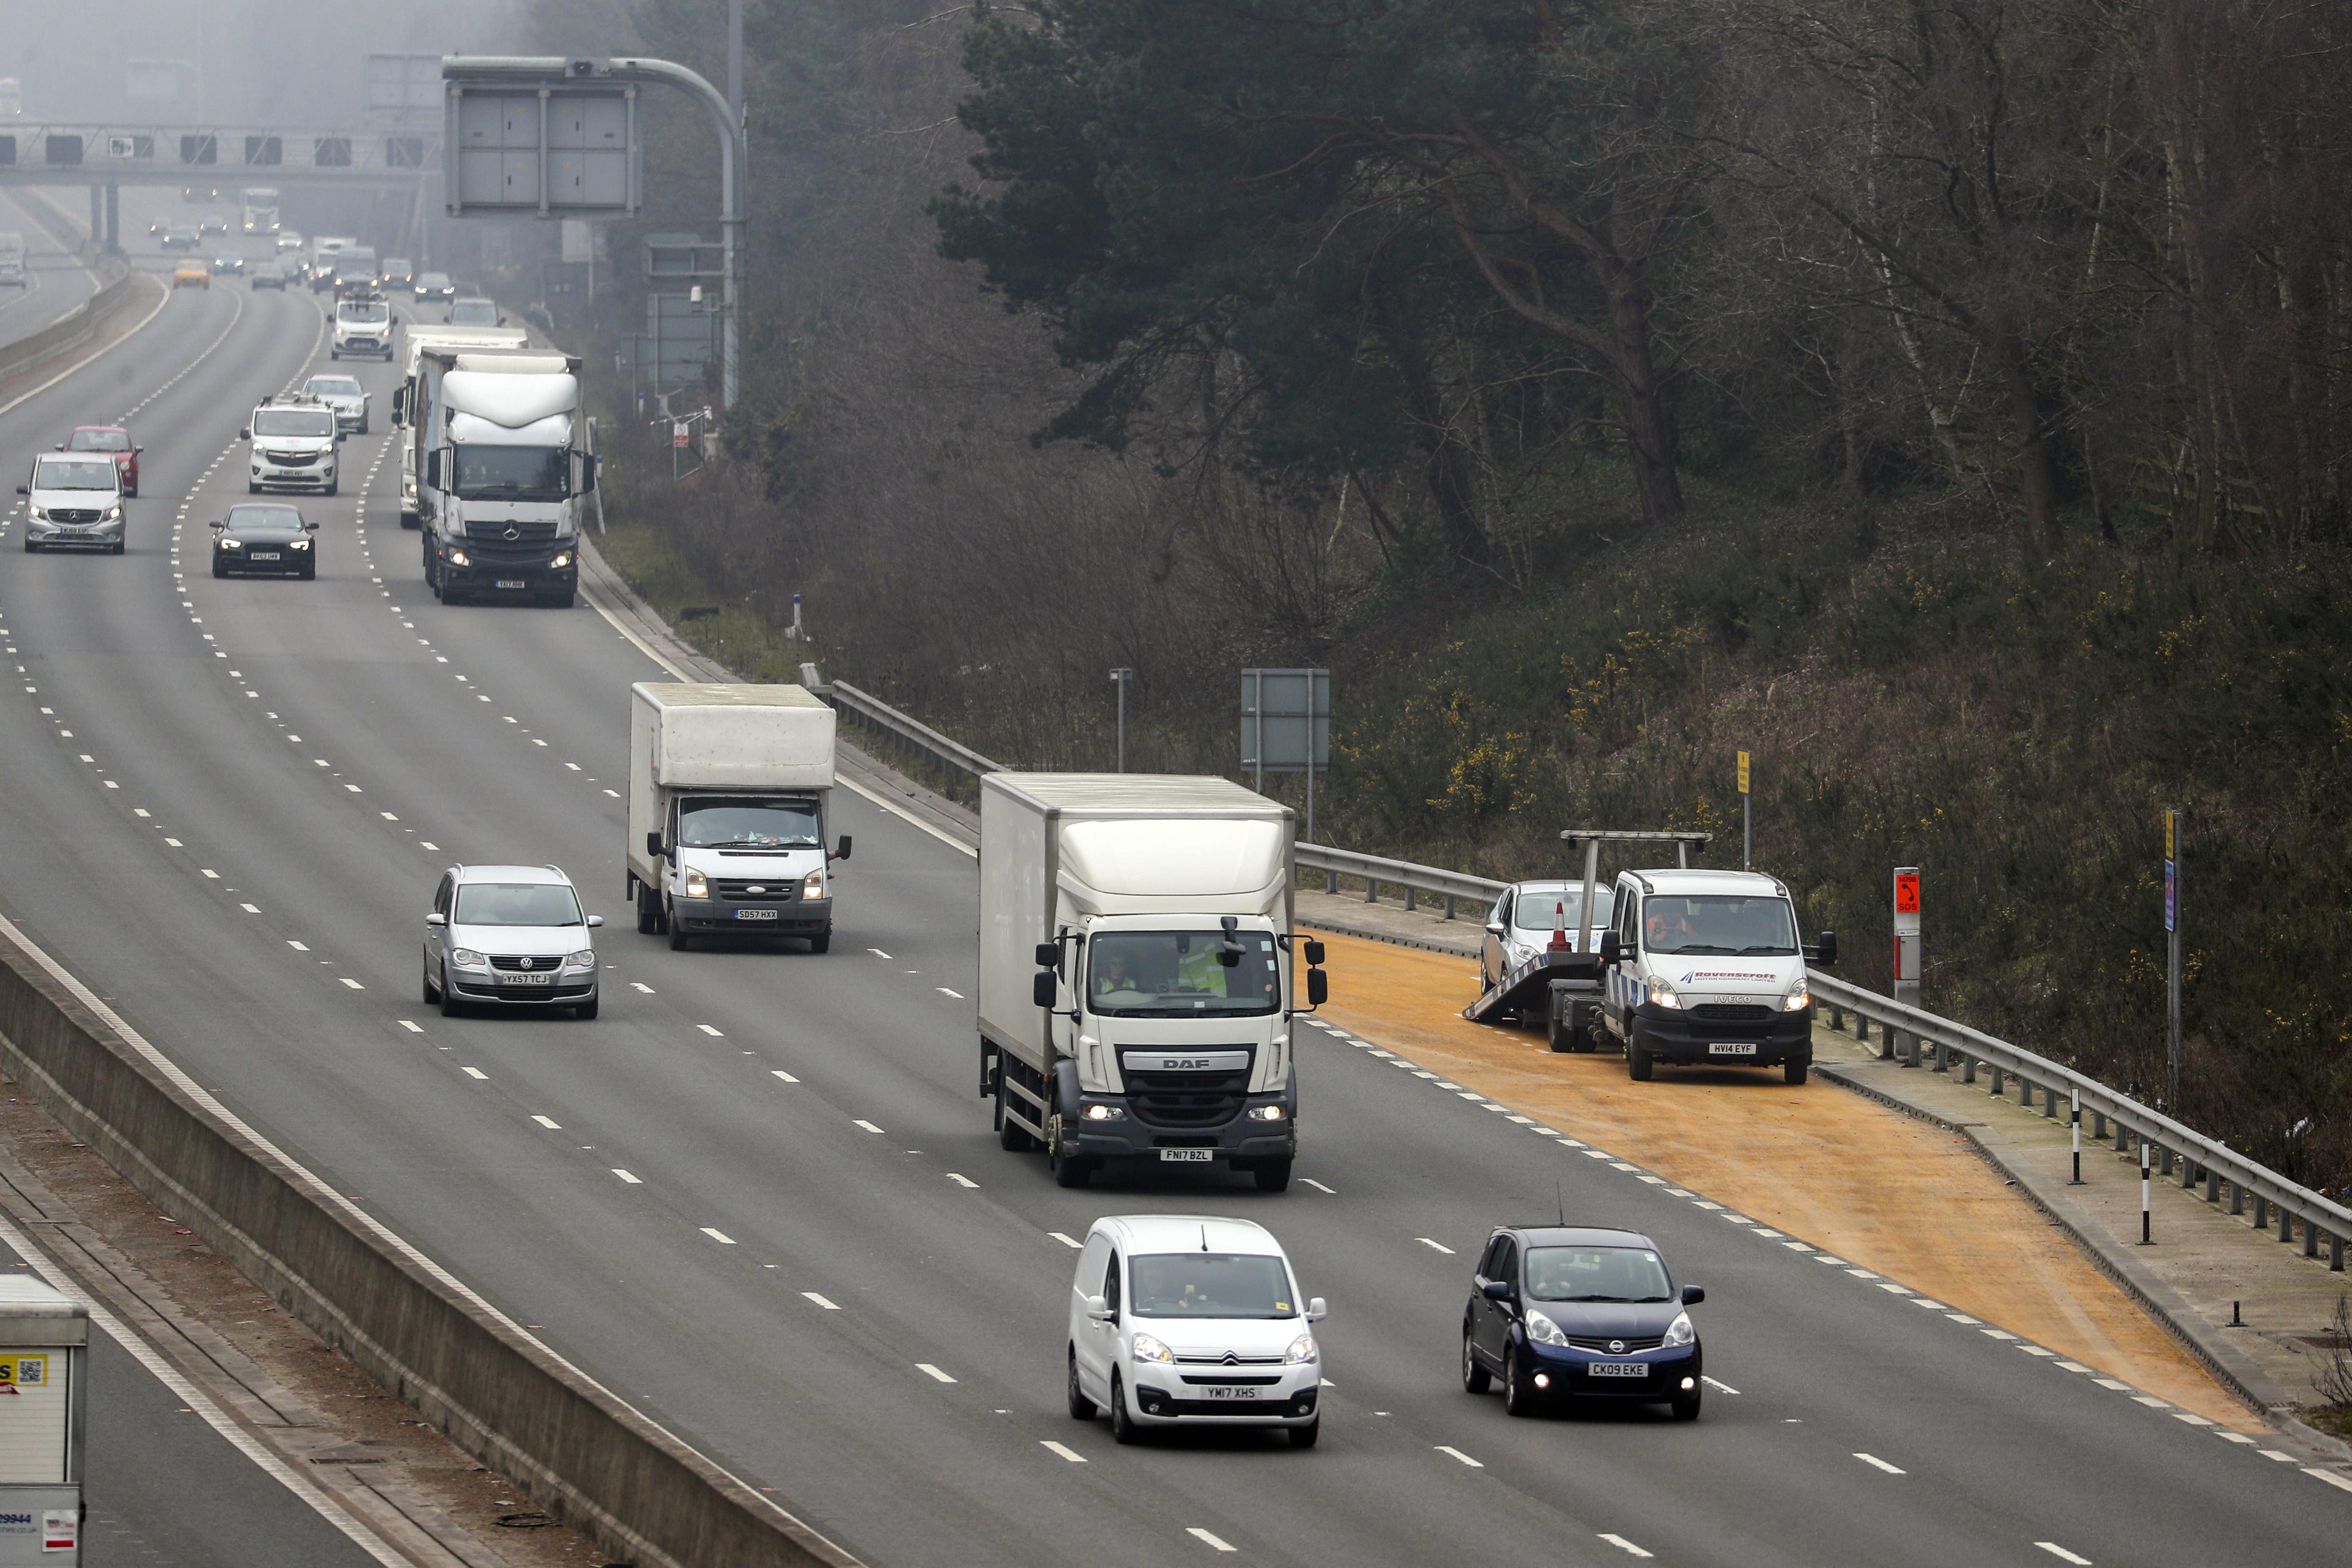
2145 1239
2074 1117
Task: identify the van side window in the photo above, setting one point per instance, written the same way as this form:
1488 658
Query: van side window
1629 919
1110 1285
1090 1262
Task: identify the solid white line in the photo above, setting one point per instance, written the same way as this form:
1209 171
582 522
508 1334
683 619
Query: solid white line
1069 1241
1439 1246
1216 1540
2064 1555
2330 1476
1072 1455
473 1072
779 1072
961 1181
720 1236
935 1371
1877 1463
633 1180
1458 1454
548 1121
1621 1544
821 1301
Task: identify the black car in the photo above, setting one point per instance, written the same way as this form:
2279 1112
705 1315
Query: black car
1563 1312
262 539
268 275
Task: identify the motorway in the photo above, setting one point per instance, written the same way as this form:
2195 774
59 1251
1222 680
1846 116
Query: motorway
759 1197
55 279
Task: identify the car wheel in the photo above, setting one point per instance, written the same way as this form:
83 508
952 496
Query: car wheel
1637 1060
1123 1428
332 486
334 353
449 997
252 489
1304 1436
119 545
309 573
1795 1071
1475 1378
363 426
1081 1407
1519 1399
31 548
1274 1176
585 1011
432 994
822 942
1687 1408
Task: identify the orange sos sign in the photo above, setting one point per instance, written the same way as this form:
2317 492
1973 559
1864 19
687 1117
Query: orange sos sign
1907 893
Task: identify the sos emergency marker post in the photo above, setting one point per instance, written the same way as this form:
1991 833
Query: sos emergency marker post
2172 959
1746 823
2145 1239
2074 1118
1907 953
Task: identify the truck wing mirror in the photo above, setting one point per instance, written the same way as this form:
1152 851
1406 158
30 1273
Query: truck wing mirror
1826 951
653 842
433 470
1611 949
1314 951
841 852
588 464
1049 955
1041 989
1318 988
245 433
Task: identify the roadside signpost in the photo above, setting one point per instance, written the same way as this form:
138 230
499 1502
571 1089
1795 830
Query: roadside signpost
1119 678
2172 959
1907 963
1287 727
1747 821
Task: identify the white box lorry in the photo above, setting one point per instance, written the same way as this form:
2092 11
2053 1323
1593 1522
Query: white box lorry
728 787
448 339
501 466
1136 972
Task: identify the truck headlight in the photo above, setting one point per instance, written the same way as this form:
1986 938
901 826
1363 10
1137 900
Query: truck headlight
1663 995
561 561
813 885
459 558
1542 1330
1679 1332
1265 1113
467 958
697 885
1302 1351
1146 1348
1799 996
1099 1112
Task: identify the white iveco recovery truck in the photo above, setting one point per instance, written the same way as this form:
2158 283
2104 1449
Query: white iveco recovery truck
500 472
1136 972
447 339
728 791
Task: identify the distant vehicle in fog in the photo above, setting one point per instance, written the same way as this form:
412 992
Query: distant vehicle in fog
12 259
433 286
260 210
268 275
475 313
397 272
290 240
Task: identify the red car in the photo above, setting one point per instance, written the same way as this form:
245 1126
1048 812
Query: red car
111 438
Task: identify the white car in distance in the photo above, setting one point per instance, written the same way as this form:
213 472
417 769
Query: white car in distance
1191 1320
345 395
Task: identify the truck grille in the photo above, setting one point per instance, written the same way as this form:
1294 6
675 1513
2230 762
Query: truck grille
511 532
1731 1012
745 890
1187 1100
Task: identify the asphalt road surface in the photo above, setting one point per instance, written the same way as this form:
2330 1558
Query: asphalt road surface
759 1196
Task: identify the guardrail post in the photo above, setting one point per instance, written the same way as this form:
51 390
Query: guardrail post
2286 1224
1372 890
1449 906
2261 1212
2049 1102
2336 1253
2188 1173
2122 1135
2310 1239
1412 897
1996 1090
1331 882
1968 1067
2237 1198
2167 1153
2098 1126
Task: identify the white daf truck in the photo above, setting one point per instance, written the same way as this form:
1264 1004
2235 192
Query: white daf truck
728 787
1138 970
501 470
450 340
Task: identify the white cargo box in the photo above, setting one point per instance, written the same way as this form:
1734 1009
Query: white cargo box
688 735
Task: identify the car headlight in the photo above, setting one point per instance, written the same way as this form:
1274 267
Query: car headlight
37 514
585 959
1679 1332
467 958
1146 1348
407 487
226 542
115 513
1265 1113
1798 997
1663 995
297 544
559 562
697 886
1302 1351
459 558
1542 1330
813 885
1099 1112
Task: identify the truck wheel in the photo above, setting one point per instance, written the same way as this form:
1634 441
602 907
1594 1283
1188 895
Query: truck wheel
1637 1060
1123 1428
1274 1176
1011 1136
1561 1037
1081 1407
1475 1378
1070 1172
1795 1073
822 942
649 912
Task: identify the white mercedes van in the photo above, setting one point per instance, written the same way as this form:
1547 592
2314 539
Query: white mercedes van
1707 970
1191 1320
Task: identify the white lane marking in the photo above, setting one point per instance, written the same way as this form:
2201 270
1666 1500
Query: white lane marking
1964 1318
1318 1185
1861 1273
1621 1544
209 873
720 1236
1069 1241
1877 1463
2330 1476
548 1121
712 1032
1456 1453
411 1027
2035 1349
1719 1387
474 1072
2151 1401
202 1405
1440 1247
1605 1155
1218 1541
2274 1454
2062 1555
820 1300
961 1181
2228 1436
643 986
779 1072
868 1125
1931 1306
935 1373
633 1180
945 992
2192 1420
1997 1334
1053 1447
296 945
2111 1383
878 952
351 983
